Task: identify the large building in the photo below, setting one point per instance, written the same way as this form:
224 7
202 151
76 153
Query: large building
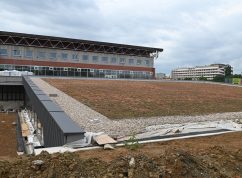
195 73
55 56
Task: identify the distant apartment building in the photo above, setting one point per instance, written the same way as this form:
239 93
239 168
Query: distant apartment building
197 72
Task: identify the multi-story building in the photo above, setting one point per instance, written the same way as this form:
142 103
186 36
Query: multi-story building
55 56
195 73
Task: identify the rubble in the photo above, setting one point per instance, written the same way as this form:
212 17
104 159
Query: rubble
197 157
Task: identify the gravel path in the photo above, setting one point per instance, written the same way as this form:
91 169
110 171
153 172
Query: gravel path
92 121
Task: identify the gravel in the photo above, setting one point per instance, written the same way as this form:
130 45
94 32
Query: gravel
92 121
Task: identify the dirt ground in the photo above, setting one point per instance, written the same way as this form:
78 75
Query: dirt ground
8 143
213 156
129 99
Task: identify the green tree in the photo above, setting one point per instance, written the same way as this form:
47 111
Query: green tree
219 78
237 76
202 78
228 71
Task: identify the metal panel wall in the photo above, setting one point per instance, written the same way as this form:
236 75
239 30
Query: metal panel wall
11 93
58 128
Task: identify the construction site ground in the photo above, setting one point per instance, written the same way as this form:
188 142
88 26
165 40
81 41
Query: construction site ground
132 99
213 156
8 143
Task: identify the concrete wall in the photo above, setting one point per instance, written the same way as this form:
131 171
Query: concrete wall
7 105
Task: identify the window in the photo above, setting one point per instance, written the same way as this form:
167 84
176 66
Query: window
105 60
85 57
52 55
75 57
29 54
139 62
64 56
113 60
147 62
3 52
122 61
131 61
16 52
95 59
41 55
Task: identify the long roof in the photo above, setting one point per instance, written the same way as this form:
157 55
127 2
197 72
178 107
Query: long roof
32 40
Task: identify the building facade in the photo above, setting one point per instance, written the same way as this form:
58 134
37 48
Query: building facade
195 73
55 56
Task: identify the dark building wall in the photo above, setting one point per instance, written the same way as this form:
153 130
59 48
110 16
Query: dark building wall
12 93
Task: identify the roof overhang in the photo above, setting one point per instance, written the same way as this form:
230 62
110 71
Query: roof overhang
31 40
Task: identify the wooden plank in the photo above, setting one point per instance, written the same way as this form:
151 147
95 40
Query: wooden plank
25 130
104 139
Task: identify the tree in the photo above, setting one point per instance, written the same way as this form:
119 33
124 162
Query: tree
202 78
228 71
219 78
237 76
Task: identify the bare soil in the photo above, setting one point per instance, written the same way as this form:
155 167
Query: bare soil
214 156
8 143
130 99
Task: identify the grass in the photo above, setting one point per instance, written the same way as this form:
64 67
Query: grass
130 99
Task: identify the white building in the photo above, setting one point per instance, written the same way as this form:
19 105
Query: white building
195 73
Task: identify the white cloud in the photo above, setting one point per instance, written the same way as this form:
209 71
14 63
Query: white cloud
194 32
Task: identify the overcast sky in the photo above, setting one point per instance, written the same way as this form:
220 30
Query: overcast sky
191 32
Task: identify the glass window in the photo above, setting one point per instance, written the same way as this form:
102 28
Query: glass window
104 59
52 55
95 59
147 62
85 57
139 62
122 61
3 52
131 61
64 56
113 60
29 54
16 52
41 55
75 57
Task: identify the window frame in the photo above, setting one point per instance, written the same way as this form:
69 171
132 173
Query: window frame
27 52
51 57
41 55
122 59
75 57
104 59
139 62
131 62
95 59
114 59
14 52
4 54
85 57
64 58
